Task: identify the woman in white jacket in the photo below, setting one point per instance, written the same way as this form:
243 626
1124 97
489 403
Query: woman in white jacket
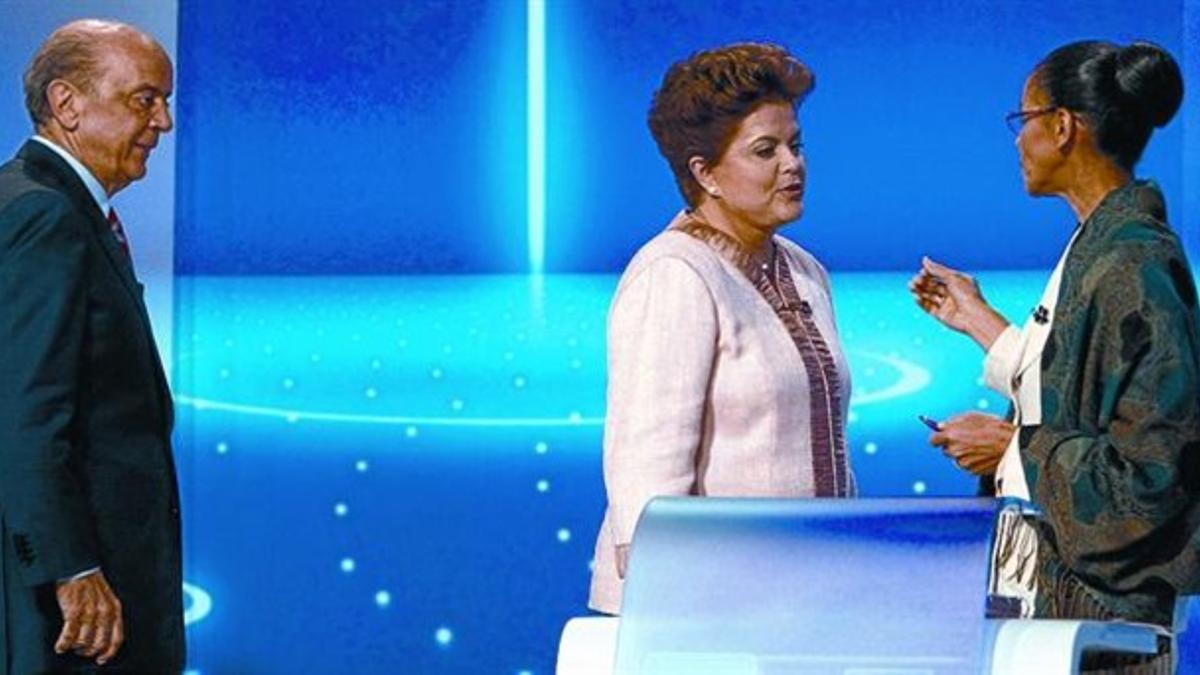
726 376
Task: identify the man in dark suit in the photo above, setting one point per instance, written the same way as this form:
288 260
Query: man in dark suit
89 507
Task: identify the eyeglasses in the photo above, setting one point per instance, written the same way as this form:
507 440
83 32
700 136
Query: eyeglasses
1016 120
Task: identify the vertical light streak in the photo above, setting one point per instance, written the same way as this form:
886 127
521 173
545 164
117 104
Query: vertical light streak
535 128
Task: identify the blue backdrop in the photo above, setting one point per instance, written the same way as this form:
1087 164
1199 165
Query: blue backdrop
355 138
389 434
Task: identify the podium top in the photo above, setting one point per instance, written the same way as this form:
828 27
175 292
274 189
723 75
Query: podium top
808 586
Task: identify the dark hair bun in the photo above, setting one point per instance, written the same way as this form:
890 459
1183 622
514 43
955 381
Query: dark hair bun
1149 79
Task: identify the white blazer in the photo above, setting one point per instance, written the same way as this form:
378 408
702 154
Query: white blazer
707 392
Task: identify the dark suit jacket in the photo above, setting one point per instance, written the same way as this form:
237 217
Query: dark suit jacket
86 470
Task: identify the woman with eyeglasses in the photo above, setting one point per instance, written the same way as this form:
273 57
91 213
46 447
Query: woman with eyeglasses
1104 436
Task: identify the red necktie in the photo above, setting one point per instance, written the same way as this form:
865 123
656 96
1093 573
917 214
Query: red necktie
114 222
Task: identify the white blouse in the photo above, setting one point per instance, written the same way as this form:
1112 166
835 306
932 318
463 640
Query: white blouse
1013 367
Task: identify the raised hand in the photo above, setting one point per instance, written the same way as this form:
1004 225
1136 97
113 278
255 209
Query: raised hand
955 299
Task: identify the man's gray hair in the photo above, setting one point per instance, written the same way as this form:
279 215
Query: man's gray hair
72 52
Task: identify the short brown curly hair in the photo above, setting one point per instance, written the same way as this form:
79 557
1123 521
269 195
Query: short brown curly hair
704 97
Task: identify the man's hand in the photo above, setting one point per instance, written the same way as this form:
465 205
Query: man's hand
92 623
975 441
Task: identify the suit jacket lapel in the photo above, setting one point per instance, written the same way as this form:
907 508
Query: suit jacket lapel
53 166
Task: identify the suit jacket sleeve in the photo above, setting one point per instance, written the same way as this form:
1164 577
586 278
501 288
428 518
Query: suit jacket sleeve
1118 484
42 330
662 340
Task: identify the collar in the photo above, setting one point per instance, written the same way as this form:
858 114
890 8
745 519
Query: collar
1138 199
89 180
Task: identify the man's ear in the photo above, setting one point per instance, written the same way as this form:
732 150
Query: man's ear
702 172
65 104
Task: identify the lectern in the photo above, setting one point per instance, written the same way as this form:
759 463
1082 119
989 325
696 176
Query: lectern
823 587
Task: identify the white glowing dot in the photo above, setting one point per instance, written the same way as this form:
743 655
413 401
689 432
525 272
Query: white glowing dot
853 416
572 342
401 343
564 535
340 509
443 636
315 358
871 448
347 565
456 404
436 373
576 364
411 432
229 344
524 672
361 466
447 350
383 598
575 417
519 382
592 565
541 448
292 418
980 381
371 392
222 448
543 485
983 404
288 383
509 356
919 487
224 373
376 364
